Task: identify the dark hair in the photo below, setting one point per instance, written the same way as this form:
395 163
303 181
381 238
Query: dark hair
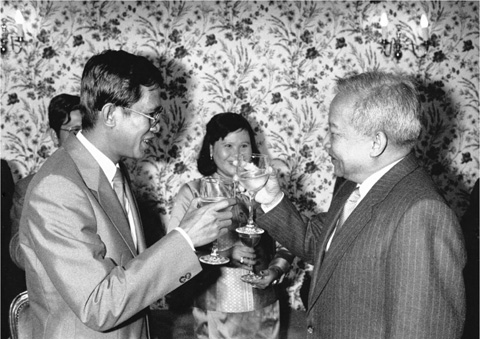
59 110
219 126
115 77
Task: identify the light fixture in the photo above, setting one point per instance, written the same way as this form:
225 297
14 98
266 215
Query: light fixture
423 47
387 45
395 45
17 40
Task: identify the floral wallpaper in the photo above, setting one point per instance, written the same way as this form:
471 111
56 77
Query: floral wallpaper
272 61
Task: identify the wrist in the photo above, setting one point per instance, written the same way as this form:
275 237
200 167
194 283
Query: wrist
278 272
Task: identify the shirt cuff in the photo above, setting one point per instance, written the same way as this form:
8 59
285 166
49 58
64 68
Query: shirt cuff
185 235
266 208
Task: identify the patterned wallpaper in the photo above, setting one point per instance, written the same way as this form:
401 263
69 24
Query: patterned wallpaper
272 61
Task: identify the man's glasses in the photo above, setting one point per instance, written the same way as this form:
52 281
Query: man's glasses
153 117
73 130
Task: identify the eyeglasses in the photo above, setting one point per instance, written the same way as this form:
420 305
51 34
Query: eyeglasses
73 130
153 119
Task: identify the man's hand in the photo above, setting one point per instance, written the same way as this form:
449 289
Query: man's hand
271 193
204 224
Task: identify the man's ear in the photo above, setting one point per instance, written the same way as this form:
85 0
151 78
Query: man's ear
108 116
380 142
54 137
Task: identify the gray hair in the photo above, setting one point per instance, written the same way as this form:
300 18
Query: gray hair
384 102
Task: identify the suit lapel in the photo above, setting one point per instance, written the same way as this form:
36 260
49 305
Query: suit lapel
334 212
332 216
356 222
96 181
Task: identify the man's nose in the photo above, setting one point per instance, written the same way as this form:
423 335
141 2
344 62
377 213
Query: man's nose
241 153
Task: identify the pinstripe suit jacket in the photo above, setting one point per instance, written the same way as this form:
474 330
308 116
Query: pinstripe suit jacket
394 269
84 276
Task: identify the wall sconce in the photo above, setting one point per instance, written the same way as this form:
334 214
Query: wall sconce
425 37
17 40
419 51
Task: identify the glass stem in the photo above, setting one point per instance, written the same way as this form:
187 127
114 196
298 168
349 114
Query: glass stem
250 210
214 248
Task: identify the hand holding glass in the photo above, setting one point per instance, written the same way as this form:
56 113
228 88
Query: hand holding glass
212 190
252 173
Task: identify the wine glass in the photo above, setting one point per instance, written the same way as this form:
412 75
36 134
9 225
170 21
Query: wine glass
252 173
213 190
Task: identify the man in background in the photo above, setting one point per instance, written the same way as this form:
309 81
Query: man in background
64 118
392 267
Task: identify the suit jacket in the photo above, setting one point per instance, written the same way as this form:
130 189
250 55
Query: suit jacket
393 270
84 277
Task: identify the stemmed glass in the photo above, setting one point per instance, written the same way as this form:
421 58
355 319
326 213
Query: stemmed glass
252 173
212 190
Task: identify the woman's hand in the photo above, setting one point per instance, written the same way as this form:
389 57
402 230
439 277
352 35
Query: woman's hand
243 256
270 276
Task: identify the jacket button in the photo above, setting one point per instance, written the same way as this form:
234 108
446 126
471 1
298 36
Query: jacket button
184 278
310 329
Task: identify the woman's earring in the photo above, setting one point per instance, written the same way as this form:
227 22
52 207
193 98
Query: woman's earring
54 137
211 157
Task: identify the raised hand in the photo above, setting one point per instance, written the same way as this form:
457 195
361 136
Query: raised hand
271 193
204 224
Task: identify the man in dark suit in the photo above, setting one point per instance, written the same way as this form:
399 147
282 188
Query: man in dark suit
393 267
89 273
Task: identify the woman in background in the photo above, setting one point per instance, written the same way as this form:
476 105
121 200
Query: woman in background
225 306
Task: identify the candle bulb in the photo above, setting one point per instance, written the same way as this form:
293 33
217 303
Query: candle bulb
20 21
424 26
384 24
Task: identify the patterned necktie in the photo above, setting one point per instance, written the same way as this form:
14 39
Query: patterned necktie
349 207
119 188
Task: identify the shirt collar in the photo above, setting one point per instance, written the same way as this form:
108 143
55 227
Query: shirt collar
368 183
107 165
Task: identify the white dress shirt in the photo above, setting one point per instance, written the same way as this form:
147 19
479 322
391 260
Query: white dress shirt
364 188
109 168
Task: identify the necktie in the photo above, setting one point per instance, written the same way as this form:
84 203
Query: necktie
349 207
119 188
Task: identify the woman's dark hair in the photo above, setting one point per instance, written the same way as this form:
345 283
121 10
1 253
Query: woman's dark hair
219 126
